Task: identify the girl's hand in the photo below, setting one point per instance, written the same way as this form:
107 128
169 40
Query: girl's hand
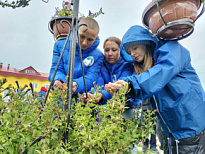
85 99
97 99
75 86
90 96
112 87
58 83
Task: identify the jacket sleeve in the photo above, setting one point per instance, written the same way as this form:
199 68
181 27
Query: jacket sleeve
101 82
60 74
91 75
106 95
128 70
169 61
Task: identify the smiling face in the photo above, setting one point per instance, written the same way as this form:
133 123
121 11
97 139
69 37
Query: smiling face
112 52
137 52
87 38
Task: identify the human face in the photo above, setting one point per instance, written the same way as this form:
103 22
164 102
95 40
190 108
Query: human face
87 38
112 52
137 52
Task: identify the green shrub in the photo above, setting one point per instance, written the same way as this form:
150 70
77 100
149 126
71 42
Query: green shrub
92 129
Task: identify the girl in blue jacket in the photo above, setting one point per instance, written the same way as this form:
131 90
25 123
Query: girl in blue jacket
113 68
165 75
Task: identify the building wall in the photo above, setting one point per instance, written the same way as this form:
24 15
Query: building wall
24 81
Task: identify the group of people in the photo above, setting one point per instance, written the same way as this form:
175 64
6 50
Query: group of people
152 70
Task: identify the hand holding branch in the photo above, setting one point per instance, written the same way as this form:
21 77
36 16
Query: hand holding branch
112 87
97 97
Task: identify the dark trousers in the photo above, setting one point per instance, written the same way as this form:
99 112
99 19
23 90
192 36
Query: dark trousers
191 145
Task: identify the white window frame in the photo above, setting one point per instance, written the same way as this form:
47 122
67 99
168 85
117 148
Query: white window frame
46 86
7 98
30 71
35 85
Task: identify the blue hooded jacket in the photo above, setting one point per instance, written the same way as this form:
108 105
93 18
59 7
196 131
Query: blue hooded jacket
92 62
172 84
111 73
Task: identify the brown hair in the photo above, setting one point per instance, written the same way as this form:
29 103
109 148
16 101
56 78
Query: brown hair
113 39
147 62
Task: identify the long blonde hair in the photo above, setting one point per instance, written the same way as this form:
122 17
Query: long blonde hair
147 63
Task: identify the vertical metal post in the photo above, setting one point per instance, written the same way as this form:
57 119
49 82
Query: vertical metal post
72 54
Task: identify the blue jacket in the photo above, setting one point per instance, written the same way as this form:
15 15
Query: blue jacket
173 82
111 73
92 62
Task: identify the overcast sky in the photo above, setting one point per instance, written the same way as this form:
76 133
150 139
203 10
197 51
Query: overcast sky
26 41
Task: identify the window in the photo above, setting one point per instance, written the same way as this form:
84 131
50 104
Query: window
7 98
35 85
30 71
46 85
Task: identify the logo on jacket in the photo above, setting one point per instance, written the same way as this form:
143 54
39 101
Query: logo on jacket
114 78
88 61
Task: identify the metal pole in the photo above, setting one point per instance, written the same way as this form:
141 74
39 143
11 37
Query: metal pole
72 54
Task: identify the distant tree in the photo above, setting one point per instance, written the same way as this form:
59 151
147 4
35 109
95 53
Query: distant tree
17 3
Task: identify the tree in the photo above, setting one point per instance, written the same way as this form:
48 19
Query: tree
17 3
